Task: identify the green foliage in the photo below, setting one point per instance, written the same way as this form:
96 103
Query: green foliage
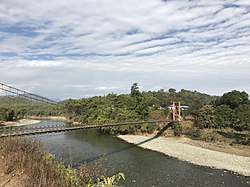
139 102
143 105
108 181
10 115
108 109
176 126
3 114
6 114
134 90
17 108
162 99
233 99
230 110
243 114
224 116
206 116
142 108
147 128
172 90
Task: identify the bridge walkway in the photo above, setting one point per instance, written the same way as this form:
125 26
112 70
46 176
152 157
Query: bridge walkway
6 131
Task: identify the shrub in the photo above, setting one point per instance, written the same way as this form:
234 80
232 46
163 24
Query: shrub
176 126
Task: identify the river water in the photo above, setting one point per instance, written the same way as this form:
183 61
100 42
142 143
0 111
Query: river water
142 168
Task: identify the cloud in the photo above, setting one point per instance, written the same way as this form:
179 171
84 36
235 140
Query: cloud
104 46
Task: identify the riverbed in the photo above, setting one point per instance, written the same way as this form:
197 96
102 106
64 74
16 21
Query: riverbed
141 167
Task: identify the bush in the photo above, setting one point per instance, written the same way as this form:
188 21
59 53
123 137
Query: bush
147 128
176 126
195 133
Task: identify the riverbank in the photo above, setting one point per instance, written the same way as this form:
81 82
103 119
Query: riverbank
31 120
194 154
58 118
21 122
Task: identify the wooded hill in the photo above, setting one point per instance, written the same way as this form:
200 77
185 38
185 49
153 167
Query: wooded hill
134 106
230 110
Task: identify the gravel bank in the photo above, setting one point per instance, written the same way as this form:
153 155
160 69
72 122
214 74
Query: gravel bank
196 155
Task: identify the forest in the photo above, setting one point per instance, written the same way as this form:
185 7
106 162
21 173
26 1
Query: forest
231 110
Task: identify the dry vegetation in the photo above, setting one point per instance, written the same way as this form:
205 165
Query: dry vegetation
28 158
28 161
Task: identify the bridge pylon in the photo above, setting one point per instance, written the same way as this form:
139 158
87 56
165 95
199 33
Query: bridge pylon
176 110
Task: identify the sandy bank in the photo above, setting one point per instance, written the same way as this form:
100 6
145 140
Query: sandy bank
193 154
21 122
33 120
59 118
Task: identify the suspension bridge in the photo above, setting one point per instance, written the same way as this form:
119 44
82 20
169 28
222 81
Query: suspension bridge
21 131
10 92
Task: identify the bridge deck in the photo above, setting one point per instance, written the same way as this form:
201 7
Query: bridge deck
20 131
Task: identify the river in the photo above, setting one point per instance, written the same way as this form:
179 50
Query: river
142 168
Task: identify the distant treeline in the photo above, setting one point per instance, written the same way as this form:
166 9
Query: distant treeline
134 106
230 110
12 108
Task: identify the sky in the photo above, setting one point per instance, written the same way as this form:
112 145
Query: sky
81 48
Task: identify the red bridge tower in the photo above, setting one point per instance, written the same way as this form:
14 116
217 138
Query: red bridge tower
176 109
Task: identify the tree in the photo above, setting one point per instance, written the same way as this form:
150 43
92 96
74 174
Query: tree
6 114
243 115
142 107
233 99
10 115
224 116
172 90
139 102
206 116
135 92
3 114
176 126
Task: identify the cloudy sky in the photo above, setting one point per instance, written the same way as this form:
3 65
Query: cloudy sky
81 48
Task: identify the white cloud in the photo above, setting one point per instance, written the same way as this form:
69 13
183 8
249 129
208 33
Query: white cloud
103 46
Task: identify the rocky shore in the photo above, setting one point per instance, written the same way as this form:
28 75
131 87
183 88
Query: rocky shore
193 154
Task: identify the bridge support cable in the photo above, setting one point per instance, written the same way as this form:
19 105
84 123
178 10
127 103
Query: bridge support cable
7 90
